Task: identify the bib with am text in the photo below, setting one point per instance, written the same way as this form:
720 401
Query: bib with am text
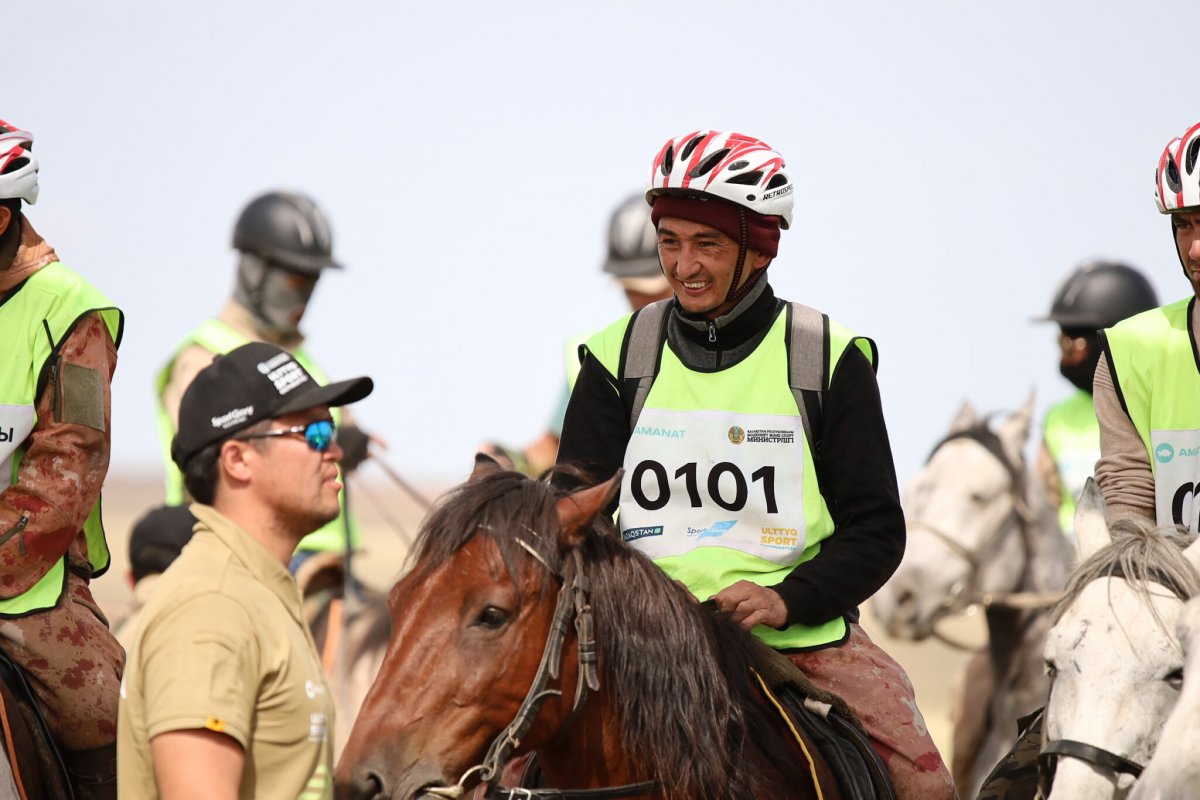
1176 457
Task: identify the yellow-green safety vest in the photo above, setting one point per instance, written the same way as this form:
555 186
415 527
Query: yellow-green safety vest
746 415
1157 377
219 338
1072 436
35 320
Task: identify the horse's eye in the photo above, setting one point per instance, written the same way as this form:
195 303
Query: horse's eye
1051 670
492 617
1175 678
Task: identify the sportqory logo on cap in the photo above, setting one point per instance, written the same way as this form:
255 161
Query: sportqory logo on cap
233 417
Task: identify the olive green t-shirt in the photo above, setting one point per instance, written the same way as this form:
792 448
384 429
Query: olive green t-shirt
222 645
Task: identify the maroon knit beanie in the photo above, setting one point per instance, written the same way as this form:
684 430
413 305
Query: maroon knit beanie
762 231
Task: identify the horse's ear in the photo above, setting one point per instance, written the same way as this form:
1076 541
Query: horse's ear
1091 521
1014 431
484 465
576 511
965 419
1192 554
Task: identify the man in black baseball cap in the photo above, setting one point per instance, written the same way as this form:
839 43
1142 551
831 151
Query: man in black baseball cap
223 686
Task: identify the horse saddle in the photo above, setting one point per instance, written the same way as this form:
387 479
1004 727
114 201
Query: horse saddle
38 769
829 723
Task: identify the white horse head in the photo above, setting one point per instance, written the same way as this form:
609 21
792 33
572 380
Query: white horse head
974 527
1112 654
1174 771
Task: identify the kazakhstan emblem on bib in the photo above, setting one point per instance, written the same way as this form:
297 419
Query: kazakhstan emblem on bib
736 435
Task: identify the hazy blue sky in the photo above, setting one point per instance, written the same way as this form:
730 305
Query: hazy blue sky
953 161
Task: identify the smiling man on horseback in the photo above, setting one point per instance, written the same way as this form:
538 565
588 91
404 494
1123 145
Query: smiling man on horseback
758 470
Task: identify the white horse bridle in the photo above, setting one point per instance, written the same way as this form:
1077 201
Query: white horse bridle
967 592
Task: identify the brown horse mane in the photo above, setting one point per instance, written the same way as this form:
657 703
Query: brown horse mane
678 672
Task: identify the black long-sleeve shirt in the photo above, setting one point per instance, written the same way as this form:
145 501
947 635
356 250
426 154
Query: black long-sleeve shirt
854 463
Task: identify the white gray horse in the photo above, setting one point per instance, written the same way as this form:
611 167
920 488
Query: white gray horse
981 533
1112 654
1174 771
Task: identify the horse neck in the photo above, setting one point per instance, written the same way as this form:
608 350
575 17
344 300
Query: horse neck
644 721
1033 533
589 752
1016 632
1050 552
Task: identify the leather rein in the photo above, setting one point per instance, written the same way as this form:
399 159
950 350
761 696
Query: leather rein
572 603
967 592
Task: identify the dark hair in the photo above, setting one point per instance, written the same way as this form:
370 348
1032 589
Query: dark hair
157 539
200 473
152 559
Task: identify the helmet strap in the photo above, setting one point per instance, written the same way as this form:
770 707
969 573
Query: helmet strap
741 259
1178 252
735 292
10 241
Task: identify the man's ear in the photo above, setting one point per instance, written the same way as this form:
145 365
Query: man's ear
232 461
5 219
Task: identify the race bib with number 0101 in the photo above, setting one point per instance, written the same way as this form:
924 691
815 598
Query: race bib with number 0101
714 479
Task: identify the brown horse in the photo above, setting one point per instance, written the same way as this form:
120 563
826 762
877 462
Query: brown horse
31 765
661 702
351 631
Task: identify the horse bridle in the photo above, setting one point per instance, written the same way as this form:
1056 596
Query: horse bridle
1047 761
967 592
572 603
1096 756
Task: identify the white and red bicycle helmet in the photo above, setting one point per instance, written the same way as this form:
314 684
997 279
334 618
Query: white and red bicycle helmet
1177 179
732 166
22 182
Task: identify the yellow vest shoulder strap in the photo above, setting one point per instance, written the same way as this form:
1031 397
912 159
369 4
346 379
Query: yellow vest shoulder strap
810 336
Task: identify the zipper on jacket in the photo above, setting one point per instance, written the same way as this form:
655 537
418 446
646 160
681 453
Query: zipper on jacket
13 531
712 331
56 405
55 360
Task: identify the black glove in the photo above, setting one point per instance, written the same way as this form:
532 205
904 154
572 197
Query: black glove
353 440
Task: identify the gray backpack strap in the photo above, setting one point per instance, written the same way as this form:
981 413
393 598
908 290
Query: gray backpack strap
808 364
642 349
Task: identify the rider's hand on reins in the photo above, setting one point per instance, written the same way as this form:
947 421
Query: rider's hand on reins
749 604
